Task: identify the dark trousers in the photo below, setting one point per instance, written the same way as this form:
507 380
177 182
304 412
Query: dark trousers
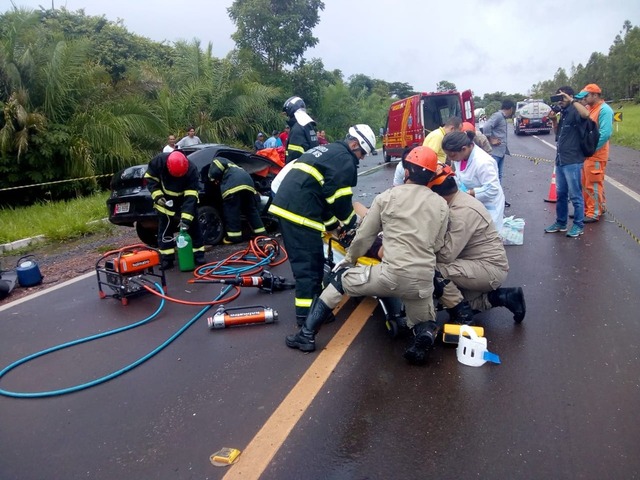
306 257
237 204
167 226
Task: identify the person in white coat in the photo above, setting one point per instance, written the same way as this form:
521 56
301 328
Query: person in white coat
476 173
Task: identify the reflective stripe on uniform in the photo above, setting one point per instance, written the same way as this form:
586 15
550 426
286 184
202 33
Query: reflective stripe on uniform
234 234
168 251
187 216
341 192
166 211
330 221
295 148
218 164
303 302
156 193
313 171
237 189
295 218
191 193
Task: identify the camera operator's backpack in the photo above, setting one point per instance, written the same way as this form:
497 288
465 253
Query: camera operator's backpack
589 136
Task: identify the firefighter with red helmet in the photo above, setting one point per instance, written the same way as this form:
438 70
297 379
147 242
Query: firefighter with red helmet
315 196
302 135
414 221
173 182
239 198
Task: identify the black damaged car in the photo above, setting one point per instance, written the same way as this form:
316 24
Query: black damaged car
130 202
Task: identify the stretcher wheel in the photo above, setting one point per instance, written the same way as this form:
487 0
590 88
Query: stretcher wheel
392 327
102 295
124 301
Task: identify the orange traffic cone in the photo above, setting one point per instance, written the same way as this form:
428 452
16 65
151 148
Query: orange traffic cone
552 188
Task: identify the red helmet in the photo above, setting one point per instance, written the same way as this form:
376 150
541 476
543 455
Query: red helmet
177 164
423 157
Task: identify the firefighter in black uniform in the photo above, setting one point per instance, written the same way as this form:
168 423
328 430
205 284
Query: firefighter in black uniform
239 198
173 182
302 135
315 196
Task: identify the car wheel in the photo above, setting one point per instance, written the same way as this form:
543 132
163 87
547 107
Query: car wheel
211 225
146 234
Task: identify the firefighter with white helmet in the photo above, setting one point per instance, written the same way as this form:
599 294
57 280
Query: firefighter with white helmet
413 220
316 196
303 135
174 182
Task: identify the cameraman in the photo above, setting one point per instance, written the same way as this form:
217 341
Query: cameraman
567 125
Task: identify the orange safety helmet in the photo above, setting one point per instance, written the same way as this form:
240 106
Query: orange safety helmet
468 127
424 158
177 164
444 172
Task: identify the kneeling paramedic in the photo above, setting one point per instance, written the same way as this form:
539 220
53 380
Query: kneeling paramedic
314 196
413 220
472 264
239 197
173 182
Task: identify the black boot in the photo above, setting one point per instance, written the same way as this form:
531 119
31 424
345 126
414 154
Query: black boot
512 298
305 339
425 334
461 313
199 259
166 262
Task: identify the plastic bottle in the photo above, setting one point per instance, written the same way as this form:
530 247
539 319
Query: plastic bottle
184 246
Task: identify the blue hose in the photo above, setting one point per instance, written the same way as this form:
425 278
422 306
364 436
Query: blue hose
110 376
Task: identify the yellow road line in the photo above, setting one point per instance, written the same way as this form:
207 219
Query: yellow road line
260 451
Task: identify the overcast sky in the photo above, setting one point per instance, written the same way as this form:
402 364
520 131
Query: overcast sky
485 46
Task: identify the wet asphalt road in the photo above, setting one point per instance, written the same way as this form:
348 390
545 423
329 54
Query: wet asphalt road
563 403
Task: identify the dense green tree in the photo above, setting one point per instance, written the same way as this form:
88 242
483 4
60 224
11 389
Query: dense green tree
361 83
308 80
444 86
275 33
401 90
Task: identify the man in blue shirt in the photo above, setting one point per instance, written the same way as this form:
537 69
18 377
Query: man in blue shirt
495 129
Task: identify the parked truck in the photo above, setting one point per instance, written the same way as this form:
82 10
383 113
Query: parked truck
411 119
531 116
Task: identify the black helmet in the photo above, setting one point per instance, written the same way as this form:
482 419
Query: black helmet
292 105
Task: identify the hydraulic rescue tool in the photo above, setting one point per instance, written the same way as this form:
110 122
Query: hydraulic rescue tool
266 282
247 316
124 271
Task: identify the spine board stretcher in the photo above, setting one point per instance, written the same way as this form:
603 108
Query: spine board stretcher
392 308
334 252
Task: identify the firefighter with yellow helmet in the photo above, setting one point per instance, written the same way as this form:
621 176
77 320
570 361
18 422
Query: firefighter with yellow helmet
414 221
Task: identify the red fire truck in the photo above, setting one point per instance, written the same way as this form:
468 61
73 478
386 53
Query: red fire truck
411 119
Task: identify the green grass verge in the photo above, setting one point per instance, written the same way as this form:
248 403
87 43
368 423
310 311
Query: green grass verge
55 220
627 132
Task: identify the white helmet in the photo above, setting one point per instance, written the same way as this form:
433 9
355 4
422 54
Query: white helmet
365 136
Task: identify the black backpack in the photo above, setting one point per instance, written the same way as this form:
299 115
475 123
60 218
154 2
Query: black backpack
589 136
